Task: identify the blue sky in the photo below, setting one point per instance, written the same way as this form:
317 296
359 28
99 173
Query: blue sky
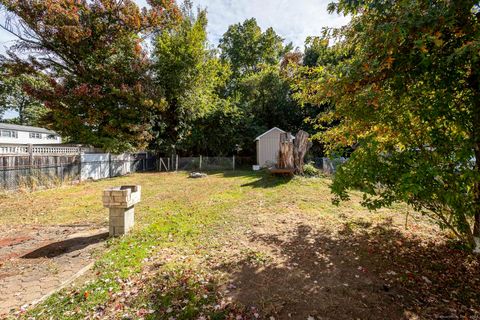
292 20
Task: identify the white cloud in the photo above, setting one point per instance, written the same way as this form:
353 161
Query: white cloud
293 20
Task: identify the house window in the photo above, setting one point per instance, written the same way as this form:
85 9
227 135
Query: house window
52 137
35 135
8 133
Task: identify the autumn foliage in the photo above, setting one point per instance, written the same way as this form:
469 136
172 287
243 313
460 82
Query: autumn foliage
94 56
405 95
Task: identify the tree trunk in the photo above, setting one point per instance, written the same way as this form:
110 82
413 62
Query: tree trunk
291 154
21 112
476 233
474 82
285 154
301 146
476 195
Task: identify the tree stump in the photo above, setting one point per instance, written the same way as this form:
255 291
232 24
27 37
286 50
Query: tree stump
300 149
292 153
285 153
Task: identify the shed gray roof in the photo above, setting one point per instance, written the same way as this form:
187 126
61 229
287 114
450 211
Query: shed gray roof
274 128
8 126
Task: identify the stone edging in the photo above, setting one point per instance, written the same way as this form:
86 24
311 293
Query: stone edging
63 285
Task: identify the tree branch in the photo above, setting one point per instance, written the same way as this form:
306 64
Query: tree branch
58 64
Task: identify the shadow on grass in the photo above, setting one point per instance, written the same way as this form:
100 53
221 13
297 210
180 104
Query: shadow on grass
62 247
360 273
268 181
263 179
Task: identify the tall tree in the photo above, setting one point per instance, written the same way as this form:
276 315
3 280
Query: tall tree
318 56
187 74
258 86
14 97
408 98
266 97
245 47
92 54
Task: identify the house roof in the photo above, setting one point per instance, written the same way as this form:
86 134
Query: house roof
8 126
274 128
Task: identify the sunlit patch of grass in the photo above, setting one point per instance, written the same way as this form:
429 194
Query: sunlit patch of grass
173 221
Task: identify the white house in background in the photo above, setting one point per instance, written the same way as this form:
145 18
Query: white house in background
268 147
16 134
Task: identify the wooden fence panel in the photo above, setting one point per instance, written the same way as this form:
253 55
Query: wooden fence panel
32 169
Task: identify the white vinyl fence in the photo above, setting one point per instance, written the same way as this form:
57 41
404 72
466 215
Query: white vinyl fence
105 165
95 166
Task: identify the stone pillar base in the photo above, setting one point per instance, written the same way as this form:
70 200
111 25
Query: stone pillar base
121 220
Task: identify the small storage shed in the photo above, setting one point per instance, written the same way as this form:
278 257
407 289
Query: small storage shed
268 146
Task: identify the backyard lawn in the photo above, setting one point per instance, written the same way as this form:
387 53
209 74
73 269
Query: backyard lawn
247 245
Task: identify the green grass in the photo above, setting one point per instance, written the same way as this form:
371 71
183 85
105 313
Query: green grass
173 212
176 213
82 203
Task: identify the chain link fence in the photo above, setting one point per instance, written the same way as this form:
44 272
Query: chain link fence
33 171
205 163
327 165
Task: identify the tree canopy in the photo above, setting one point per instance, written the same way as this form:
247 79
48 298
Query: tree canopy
14 97
244 90
93 56
106 85
187 75
245 47
407 99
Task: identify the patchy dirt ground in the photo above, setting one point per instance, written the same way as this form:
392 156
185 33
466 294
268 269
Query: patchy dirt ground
249 246
294 265
279 257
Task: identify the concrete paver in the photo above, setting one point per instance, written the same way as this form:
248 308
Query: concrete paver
36 260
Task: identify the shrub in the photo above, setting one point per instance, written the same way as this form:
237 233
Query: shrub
309 170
